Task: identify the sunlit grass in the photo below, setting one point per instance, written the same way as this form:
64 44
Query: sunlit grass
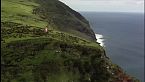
20 11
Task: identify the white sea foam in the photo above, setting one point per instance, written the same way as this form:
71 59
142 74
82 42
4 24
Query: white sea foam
100 39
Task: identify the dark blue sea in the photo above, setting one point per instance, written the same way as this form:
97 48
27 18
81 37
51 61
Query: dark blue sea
123 38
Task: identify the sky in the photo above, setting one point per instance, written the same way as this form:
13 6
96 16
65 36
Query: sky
106 5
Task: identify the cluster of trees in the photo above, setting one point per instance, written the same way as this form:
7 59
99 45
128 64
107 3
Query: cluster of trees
72 58
10 29
91 67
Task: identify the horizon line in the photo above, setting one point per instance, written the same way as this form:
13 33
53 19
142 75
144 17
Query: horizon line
112 11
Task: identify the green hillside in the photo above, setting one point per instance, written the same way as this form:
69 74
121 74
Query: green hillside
67 52
52 14
20 11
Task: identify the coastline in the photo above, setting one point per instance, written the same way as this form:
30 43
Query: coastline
100 39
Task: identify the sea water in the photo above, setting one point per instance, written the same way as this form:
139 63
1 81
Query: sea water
122 35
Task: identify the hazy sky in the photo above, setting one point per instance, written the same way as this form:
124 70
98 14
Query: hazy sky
106 5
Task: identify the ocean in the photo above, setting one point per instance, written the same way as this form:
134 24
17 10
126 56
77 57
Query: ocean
122 35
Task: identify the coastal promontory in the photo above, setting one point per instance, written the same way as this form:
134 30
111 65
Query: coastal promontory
47 41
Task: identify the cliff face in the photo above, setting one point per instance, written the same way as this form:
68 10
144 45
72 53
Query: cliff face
66 52
64 18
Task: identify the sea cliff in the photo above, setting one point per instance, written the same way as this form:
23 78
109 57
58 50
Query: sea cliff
46 41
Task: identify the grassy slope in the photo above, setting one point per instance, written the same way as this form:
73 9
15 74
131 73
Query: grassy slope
20 11
46 13
31 55
64 18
